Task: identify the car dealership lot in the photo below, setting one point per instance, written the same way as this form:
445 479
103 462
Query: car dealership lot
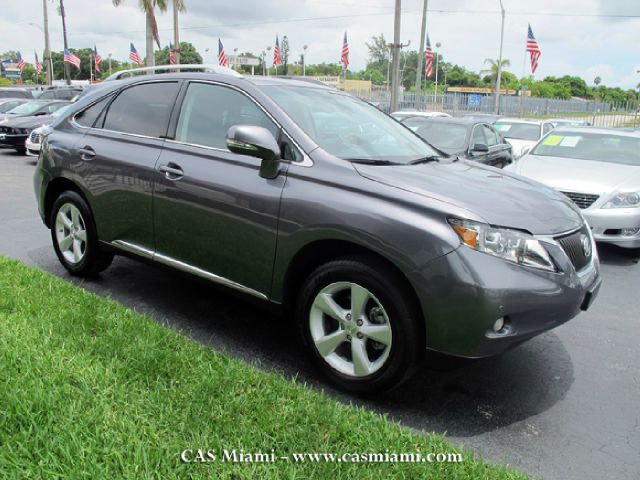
563 405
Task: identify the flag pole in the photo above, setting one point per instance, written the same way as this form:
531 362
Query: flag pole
524 66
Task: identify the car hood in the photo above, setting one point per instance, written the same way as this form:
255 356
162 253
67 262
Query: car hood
584 176
519 145
29 122
500 198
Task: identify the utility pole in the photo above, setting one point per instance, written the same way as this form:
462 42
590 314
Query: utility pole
47 52
67 74
423 33
395 78
499 76
176 32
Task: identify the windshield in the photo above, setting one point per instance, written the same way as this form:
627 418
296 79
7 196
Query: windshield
518 131
348 127
447 136
7 106
26 108
591 146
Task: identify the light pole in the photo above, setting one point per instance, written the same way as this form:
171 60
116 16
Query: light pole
423 33
499 76
264 62
435 94
47 53
67 73
109 56
395 79
304 60
268 52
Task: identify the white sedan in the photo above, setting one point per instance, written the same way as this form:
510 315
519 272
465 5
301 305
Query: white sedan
599 170
522 134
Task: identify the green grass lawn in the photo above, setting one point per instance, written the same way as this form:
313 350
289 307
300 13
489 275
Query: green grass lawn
90 389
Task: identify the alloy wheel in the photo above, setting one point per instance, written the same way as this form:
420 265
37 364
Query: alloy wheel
71 233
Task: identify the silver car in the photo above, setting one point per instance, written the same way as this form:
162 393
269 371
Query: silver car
597 168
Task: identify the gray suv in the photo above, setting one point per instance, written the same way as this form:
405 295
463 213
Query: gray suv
376 244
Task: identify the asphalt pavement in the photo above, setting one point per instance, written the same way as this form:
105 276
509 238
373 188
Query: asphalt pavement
565 405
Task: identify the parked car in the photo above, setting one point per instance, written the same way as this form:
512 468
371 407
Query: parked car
33 108
489 118
597 168
15 92
415 113
61 93
7 104
522 134
318 203
466 138
25 133
569 122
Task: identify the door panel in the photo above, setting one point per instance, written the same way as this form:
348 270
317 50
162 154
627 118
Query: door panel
219 216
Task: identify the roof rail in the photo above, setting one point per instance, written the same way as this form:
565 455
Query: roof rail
192 66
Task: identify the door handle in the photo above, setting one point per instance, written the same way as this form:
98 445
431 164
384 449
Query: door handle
171 171
87 153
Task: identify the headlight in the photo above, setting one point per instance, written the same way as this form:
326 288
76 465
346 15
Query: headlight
510 245
624 200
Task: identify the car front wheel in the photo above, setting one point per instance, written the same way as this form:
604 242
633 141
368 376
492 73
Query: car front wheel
74 236
361 327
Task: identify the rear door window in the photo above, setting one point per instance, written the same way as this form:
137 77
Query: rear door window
142 109
88 117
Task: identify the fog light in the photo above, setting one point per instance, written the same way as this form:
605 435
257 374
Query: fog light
498 324
629 232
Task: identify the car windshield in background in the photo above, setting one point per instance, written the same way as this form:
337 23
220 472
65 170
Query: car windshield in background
518 131
448 136
25 108
591 146
348 127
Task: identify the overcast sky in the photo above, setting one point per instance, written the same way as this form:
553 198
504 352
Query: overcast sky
576 36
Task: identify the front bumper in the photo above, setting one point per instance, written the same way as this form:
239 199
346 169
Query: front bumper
463 293
12 140
607 225
33 148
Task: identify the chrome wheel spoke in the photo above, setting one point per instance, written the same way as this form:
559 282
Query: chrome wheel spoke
327 305
359 298
81 235
65 243
327 344
66 221
77 250
75 217
379 333
361 363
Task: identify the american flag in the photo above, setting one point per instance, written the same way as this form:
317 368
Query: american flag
71 58
133 55
429 57
97 59
277 58
344 58
172 55
223 61
38 64
533 49
20 62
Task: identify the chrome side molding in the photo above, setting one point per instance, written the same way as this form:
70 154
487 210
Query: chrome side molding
185 267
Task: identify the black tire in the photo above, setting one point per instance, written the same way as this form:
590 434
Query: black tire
390 290
93 260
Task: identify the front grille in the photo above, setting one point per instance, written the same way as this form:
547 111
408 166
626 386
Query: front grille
5 130
583 200
573 246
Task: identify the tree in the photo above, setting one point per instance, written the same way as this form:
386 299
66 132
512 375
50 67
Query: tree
493 70
189 55
285 53
148 6
597 81
178 7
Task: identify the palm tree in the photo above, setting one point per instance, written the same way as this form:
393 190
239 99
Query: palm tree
178 6
493 69
148 6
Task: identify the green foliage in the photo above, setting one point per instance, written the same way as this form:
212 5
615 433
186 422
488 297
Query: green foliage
91 389
188 54
5 82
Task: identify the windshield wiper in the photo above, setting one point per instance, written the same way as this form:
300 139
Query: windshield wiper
370 161
429 159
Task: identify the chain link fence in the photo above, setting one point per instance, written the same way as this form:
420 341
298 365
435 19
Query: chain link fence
600 114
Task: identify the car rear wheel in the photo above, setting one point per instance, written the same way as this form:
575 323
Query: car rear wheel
360 326
74 236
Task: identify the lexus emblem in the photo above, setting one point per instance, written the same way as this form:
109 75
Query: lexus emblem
586 245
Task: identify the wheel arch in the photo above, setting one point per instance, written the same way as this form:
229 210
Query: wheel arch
54 189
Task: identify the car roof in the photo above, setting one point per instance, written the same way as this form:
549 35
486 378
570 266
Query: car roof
520 120
452 120
598 130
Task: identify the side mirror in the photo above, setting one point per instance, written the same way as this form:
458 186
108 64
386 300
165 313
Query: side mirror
256 142
480 148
